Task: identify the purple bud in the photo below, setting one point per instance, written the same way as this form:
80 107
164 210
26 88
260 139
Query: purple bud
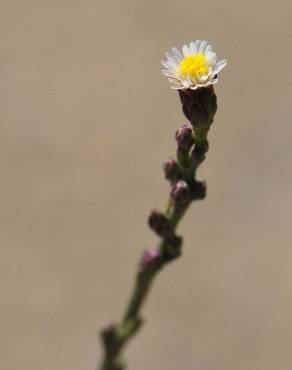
160 224
184 138
171 170
151 260
108 333
108 327
180 194
199 190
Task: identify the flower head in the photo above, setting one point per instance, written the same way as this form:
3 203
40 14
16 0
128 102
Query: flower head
195 67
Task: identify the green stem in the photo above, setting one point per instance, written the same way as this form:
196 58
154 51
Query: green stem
131 320
142 286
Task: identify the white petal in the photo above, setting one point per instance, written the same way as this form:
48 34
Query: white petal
197 43
189 81
193 48
194 87
173 80
176 87
202 47
218 66
171 66
204 78
214 81
171 58
185 84
168 73
164 64
177 54
208 49
171 63
175 84
212 57
185 50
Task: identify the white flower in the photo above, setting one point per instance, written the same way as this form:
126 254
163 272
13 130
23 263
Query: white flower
195 67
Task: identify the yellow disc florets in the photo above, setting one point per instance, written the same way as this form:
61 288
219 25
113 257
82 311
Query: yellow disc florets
193 66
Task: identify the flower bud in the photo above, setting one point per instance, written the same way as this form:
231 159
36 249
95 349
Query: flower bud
184 138
180 194
175 242
108 334
171 170
199 190
150 260
160 224
199 106
173 248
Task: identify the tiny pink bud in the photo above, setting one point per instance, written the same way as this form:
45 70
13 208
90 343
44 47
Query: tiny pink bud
160 224
180 194
150 260
184 138
171 170
108 334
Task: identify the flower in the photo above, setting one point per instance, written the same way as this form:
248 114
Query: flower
195 67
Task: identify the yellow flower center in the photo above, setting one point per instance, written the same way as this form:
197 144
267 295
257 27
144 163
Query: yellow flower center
193 66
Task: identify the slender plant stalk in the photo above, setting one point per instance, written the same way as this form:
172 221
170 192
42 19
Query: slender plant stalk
199 108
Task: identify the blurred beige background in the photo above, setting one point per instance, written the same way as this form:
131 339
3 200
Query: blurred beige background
86 121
